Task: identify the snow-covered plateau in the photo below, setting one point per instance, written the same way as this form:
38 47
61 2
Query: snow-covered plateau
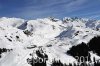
21 40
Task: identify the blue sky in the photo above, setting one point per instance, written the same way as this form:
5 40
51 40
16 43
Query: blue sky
32 9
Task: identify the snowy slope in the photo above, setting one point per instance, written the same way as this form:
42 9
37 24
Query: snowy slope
54 36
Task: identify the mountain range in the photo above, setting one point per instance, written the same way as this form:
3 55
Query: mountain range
50 38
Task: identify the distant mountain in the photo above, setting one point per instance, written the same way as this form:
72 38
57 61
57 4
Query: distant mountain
22 40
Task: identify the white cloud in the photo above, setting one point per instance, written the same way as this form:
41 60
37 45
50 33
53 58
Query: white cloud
51 7
94 16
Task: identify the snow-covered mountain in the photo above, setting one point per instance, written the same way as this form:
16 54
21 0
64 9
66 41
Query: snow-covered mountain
20 39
